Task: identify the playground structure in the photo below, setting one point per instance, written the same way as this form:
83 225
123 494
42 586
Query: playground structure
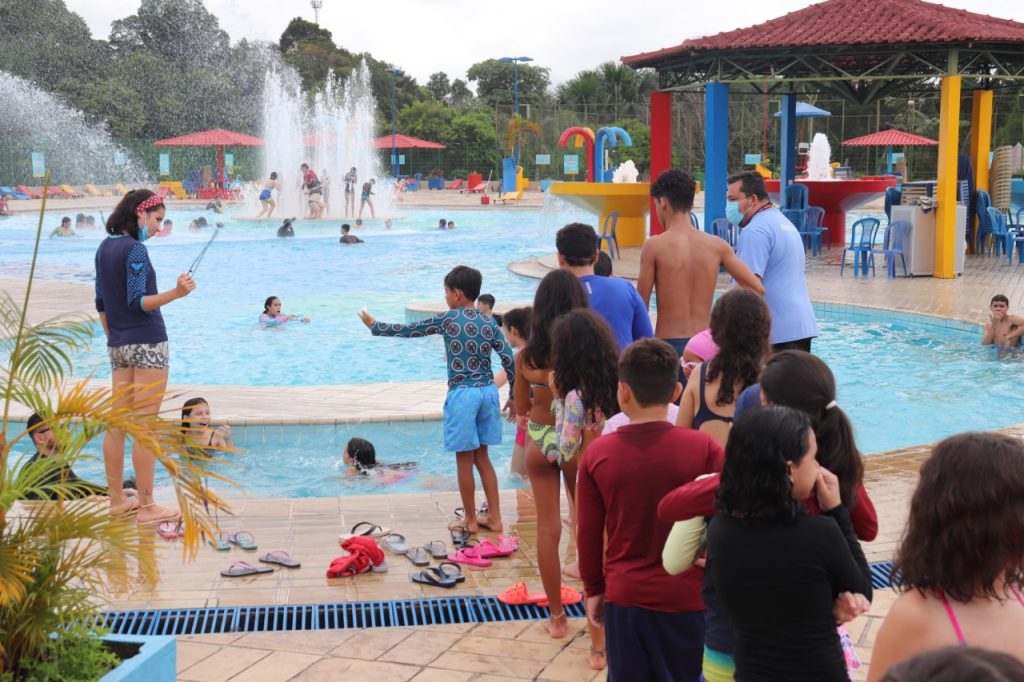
630 200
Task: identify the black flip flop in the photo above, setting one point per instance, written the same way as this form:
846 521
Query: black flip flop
418 556
281 558
451 570
437 549
460 536
241 569
433 577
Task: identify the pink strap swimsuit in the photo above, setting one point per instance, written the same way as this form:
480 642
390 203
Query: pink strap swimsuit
952 616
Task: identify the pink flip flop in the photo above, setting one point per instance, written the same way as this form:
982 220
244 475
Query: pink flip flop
487 548
470 557
170 530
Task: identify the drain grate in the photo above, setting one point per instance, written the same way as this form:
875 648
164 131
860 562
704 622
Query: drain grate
344 615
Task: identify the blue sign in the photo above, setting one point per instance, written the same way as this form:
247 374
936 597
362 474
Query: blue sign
751 159
38 164
229 163
543 160
165 164
401 160
120 159
571 164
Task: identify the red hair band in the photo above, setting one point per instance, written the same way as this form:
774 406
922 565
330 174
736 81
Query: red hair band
155 200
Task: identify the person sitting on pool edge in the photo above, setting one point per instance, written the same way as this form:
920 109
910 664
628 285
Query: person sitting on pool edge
1003 330
272 315
360 458
46 448
347 238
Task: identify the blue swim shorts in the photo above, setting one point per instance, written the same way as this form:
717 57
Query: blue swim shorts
472 417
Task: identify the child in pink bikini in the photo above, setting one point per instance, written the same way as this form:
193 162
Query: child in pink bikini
516 325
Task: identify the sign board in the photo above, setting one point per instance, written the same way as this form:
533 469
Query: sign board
401 159
38 164
229 163
165 164
751 159
543 160
571 164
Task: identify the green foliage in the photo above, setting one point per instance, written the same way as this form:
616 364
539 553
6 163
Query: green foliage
439 87
427 120
611 83
640 152
495 82
76 655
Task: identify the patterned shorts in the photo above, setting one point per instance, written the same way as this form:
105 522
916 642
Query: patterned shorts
140 356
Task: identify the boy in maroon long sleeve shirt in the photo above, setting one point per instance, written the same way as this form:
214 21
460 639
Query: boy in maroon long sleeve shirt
654 622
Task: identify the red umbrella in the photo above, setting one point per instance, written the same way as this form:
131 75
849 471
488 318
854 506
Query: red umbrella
406 142
219 138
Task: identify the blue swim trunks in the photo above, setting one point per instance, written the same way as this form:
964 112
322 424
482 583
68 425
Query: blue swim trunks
472 417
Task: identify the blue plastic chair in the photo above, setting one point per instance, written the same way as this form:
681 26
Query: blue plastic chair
1003 237
795 197
724 229
809 230
795 216
694 220
608 234
983 203
892 246
861 247
815 217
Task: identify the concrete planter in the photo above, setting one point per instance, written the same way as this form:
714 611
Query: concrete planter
145 659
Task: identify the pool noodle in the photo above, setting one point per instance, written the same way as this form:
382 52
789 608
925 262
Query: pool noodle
199 258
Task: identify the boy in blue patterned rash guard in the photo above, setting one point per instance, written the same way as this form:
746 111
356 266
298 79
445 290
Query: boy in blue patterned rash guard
472 413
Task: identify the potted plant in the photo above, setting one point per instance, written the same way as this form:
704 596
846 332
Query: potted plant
57 558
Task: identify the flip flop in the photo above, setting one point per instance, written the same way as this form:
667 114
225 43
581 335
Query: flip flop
169 515
437 549
433 577
220 542
396 543
244 539
519 595
570 596
468 557
453 571
418 556
382 567
460 536
365 529
169 530
129 507
487 548
241 569
281 558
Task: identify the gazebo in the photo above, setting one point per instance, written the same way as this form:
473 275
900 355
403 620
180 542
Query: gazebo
860 51
217 137
889 139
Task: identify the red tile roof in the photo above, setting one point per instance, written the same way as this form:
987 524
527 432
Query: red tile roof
218 137
853 22
406 142
896 138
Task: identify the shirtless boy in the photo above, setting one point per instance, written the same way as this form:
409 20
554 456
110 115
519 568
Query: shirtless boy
682 264
1003 330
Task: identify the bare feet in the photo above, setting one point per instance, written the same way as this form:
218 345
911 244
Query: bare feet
153 513
557 625
490 524
596 659
572 570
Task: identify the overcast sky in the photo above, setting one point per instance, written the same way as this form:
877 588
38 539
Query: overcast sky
425 36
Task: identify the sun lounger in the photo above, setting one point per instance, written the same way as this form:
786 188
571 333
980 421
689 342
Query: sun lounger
95 191
13 193
509 196
479 187
71 191
455 184
56 192
121 189
24 189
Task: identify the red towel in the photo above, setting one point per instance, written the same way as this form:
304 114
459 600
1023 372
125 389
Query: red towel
363 552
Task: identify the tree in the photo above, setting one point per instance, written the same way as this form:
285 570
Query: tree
495 82
460 94
427 120
439 86
516 128
585 89
183 32
299 30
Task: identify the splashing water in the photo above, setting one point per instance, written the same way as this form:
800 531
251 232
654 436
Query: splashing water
626 172
333 133
32 120
819 158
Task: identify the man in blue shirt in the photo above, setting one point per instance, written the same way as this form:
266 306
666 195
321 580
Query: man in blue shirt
771 246
613 299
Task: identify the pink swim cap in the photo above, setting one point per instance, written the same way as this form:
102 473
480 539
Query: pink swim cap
702 346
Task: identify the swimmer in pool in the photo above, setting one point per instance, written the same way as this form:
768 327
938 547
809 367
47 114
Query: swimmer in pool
195 422
272 315
360 459
1003 330
286 229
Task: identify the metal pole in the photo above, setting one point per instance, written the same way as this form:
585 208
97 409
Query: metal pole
515 89
394 130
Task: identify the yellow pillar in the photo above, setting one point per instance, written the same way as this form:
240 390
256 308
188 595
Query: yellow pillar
981 141
946 192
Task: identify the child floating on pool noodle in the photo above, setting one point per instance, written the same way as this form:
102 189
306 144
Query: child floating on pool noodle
472 413
272 315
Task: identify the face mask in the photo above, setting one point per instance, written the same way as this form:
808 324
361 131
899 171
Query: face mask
143 233
733 212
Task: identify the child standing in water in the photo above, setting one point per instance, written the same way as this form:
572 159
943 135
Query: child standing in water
272 315
472 413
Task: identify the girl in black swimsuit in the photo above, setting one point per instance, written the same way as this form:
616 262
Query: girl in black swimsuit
195 423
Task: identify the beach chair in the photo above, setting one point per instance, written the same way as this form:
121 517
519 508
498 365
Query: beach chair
95 191
29 192
608 234
6 190
71 191
509 196
479 187
455 184
121 189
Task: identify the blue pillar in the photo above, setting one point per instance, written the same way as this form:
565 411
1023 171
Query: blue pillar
716 151
787 144
888 159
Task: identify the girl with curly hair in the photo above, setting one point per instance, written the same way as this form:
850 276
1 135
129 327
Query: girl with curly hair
558 293
741 328
960 564
584 383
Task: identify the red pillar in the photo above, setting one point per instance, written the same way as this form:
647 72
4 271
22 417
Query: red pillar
661 144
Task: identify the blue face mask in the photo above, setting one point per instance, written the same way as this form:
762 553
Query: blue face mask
733 213
143 233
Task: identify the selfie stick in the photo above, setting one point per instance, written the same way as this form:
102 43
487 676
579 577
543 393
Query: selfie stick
199 258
